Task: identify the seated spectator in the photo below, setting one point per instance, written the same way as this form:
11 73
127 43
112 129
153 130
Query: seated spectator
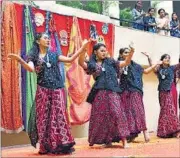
162 22
175 26
138 14
150 22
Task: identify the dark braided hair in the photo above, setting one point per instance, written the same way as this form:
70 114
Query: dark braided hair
34 51
121 51
164 56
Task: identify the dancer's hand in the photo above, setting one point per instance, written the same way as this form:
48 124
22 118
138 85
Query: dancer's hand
131 46
14 57
146 54
86 42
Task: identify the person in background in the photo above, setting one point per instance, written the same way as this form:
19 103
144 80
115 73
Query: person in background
138 15
175 26
150 22
162 22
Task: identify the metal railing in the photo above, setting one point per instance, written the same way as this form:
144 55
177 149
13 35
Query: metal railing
132 22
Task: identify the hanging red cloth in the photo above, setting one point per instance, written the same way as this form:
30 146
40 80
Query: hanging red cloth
85 24
11 120
79 82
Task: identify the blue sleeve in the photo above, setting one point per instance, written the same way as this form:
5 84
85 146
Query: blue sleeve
177 74
154 20
171 24
134 15
176 67
141 69
31 57
146 20
115 63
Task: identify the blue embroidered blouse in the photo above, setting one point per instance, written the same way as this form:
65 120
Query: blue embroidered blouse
174 32
48 77
132 81
149 20
137 16
106 75
166 77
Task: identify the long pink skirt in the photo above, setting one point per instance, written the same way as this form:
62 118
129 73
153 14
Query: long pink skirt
134 108
52 121
108 121
168 120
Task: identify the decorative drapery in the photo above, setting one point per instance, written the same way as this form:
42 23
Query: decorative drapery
11 120
23 71
31 82
78 82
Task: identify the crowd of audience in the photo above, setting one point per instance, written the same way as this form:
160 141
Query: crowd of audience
162 25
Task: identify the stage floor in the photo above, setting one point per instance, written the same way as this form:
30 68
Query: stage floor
155 148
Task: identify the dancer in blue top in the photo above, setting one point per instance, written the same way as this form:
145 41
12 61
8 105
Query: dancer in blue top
108 121
51 127
168 125
131 84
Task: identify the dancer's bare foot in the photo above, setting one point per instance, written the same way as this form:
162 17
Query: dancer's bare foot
147 140
146 136
125 144
178 135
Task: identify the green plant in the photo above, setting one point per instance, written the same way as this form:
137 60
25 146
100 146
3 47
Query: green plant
154 5
125 14
74 4
91 6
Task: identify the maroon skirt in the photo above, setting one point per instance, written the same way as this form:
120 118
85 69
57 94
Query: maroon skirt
52 120
175 97
135 113
168 123
108 121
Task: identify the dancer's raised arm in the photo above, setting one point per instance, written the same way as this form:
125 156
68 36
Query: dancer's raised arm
82 57
128 59
82 51
151 68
